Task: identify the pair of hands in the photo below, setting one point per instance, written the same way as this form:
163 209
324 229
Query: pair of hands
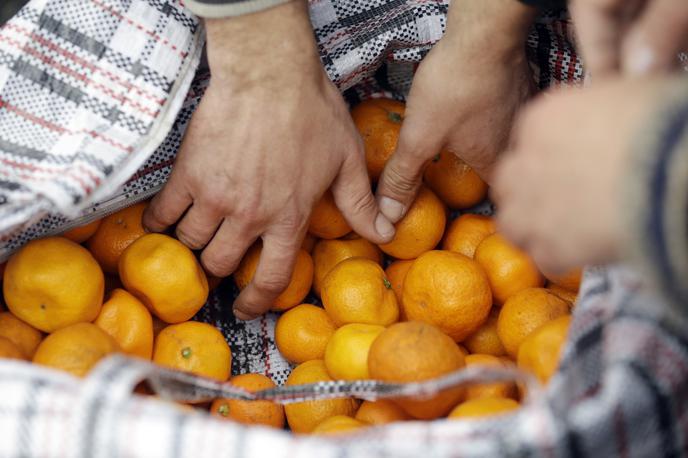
559 188
272 134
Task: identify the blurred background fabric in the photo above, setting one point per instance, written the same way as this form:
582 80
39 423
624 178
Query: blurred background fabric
9 7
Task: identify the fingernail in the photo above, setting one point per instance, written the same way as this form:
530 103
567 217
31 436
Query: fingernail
391 208
384 227
640 61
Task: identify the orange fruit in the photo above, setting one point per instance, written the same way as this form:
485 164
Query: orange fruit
357 291
508 269
303 417
265 413
540 351
10 350
308 243
396 273
194 347
23 335
339 424
302 333
420 230
465 233
299 285
448 290
82 233
567 295
329 253
488 390
129 322
411 352
165 275
524 312
115 233
570 280
379 122
75 348
485 339
454 181
484 407
53 282
327 221
381 412
346 355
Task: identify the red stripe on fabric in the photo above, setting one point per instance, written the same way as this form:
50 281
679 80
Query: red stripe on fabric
560 58
151 34
84 63
81 77
54 127
572 53
620 430
152 168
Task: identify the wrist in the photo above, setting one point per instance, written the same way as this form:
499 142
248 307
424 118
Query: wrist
492 28
269 46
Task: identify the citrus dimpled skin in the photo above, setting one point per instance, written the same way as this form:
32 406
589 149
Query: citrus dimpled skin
299 284
75 348
509 270
411 352
302 333
525 312
194 347
10 350
381 412
52 283
420 230
488 390
303 417
23 335
457 184
396 274
327 222
165 275
484 407
264 413
114 234
465 233
448 290
346 355
329 253
129 322
379 123
485 339
357 291
339 424
540 351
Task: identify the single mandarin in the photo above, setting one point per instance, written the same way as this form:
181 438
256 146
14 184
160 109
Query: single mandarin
412 352
540 351
485 339
115 233
82 233
339 424
346 354
465 233
194 347
329 253
299 285
264 413
53 282
420 230
357 291
396 274
23 335
509 270
10 350
483 407
381 412
302 333
303 417
525 312
327 221
164 274
129 322
454 181
488 390
448 290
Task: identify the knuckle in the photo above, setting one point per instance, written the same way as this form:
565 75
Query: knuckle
272 283
190 239
401 181
361 203
218 266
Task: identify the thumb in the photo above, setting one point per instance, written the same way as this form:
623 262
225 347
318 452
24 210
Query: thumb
353 196
657 38
403 173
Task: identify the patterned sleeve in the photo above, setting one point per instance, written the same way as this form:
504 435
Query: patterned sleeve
656 196
227 8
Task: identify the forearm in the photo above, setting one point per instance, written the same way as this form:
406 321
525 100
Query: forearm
656 197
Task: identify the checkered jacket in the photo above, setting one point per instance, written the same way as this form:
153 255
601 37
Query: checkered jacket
94 99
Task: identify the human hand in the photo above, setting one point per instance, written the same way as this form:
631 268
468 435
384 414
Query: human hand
269 137
464 97
631 36
559 189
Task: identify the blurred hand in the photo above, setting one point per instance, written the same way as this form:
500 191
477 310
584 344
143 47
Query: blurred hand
633 36
270 135
464 97
559 189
